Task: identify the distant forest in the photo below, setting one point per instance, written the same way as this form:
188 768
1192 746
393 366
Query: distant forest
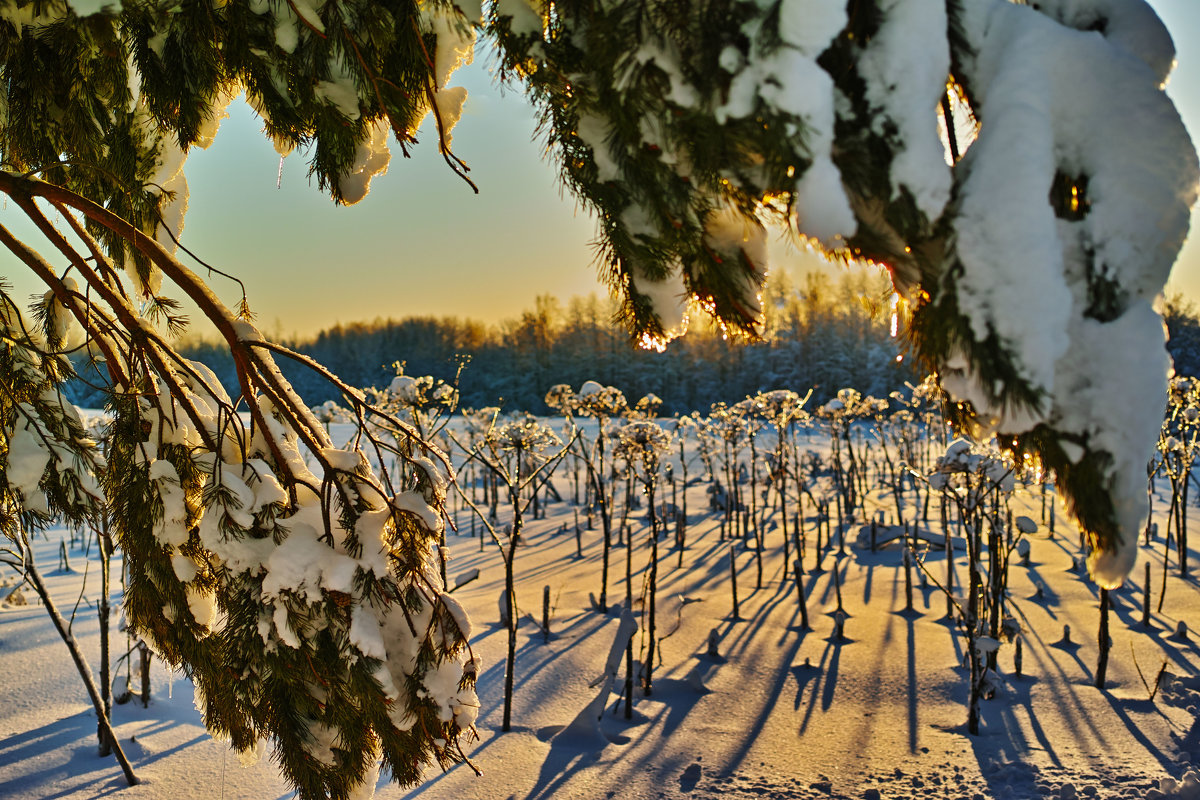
820 333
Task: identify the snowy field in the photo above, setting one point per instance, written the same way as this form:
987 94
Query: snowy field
778 712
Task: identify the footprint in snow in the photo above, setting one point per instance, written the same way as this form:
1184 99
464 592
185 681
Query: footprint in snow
689 778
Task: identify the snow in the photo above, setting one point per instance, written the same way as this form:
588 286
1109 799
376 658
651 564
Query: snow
783 713
593 130
287 32
441 686
66 328
203 606
457 611
172 185
1044 96
668 297
822 210
455 48
339 91
665 55
365 635
212 123
371 159
308 10
1123 347
524 16
414 502
904 67
450 104
590 388
789 81
1131 25
266 487
302 566
27 454
810 25
185 568
344 459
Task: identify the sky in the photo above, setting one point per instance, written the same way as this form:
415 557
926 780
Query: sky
422 243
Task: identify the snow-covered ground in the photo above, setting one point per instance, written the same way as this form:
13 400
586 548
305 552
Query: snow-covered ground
780 712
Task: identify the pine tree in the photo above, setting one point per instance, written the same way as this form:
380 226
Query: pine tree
1029 263
306 604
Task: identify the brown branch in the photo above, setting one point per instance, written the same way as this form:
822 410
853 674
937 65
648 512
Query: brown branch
401 132
188 281
305 22
46 273
456 164
132 322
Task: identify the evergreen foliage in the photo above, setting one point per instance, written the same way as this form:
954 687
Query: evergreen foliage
306 604
1039 242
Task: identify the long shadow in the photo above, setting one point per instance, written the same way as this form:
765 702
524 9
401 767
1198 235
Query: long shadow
1127 608
26 627
813 579
682 697
868 583
1172 767
147 757
775 689
528 669
565 758
94 775
748 628
679 699
1076 713
57 735
803 675
1017 774
1119 708
560 764
102 788
1001 725
829 683
427 788
912 684
1043 595
1168 645
812 698
1039 733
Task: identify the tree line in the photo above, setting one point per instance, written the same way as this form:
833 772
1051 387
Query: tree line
821 332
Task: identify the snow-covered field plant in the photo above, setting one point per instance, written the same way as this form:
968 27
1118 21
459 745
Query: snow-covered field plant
1178 446
641 445
978 482
521 456
604 404
980 490
781 408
